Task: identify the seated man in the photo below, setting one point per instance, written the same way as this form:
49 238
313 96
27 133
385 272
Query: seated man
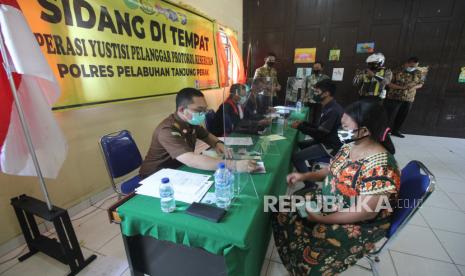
325 141
173 141
258 104
230 115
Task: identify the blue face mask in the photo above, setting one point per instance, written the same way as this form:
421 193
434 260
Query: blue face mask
197 118
243 100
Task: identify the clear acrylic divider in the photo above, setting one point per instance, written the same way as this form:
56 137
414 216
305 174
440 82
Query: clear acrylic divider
275 123
238 144
296 89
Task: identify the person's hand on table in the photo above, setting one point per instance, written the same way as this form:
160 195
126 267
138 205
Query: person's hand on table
221 149
294 177
296 124
265 122
246 166
271 110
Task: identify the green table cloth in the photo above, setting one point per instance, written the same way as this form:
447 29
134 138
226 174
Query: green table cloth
243 234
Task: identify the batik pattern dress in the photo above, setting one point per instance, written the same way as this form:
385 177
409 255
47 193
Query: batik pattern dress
309 248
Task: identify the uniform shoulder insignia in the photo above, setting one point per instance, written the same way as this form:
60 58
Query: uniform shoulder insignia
176 125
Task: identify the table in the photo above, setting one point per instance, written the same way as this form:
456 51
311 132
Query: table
158 243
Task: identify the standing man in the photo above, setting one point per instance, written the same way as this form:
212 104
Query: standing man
173 141
372 81
269 73
403 88
316 76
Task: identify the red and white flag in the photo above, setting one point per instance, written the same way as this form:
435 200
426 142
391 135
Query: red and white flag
37 89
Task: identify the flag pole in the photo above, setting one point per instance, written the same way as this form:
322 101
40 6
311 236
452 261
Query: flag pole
27 134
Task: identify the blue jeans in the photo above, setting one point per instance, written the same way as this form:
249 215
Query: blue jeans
309 154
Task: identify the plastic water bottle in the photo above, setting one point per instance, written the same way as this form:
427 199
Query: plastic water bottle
298 106
232 184
168 204
280 126
222 186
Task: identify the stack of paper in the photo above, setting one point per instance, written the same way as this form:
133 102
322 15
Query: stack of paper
188 187
275 137
237 141
279 107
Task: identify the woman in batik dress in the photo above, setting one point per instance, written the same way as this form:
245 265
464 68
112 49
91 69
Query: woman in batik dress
365 178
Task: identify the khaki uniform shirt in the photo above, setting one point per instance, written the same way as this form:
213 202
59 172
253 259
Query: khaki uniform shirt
172 138
403 78
268 72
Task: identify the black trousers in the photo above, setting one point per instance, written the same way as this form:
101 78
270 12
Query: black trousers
397 112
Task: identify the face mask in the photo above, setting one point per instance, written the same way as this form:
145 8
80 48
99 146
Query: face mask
348 136
318 98
270 63
317 72
410 69
243 100
197 118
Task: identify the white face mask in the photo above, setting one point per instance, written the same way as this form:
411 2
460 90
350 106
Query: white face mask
348 136
410 69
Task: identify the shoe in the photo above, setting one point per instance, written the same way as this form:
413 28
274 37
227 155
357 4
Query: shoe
398 134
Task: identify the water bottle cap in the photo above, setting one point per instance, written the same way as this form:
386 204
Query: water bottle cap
221 165
165 180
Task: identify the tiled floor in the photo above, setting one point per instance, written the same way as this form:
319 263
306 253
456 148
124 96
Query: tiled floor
432 244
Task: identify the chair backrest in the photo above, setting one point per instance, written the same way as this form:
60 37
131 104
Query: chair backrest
121 153
416 185
209 118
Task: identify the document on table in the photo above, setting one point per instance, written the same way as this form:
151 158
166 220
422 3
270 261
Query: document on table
280 107
188 187
200 147
272 115
237 141
275 137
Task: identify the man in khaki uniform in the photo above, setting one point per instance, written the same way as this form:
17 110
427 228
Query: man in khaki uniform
270 75
173 141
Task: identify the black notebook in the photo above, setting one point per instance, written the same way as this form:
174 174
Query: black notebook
205 211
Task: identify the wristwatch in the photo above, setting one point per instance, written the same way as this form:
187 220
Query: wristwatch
219 141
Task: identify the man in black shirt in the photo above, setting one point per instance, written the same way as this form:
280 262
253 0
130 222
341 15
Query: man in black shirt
325 141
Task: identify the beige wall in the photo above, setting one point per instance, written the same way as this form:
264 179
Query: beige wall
226 12
83 173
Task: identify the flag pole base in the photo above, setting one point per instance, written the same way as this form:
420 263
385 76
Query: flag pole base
66 249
